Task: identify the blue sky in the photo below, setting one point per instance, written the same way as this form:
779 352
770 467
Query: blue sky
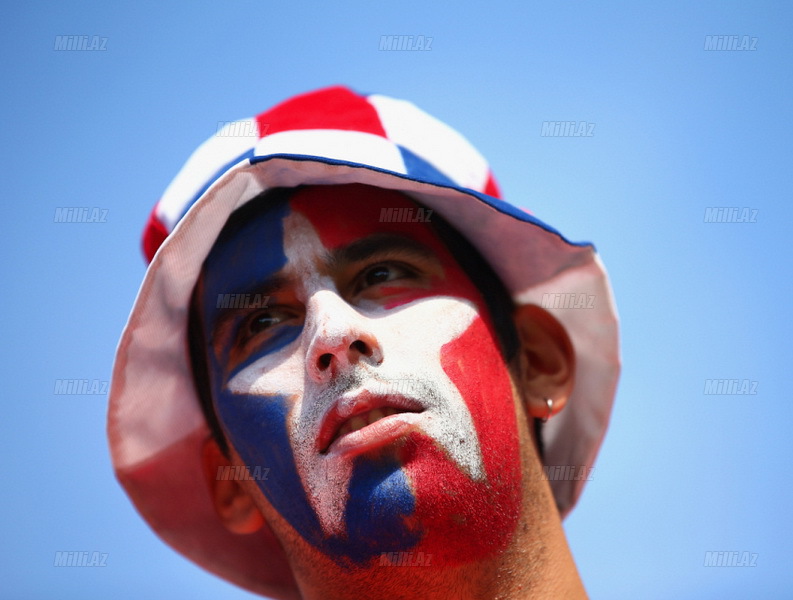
677 129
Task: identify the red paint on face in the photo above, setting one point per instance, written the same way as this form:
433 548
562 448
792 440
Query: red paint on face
463 520
342 214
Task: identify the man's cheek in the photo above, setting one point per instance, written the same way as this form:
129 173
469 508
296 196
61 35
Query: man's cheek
475 365
276 341
257 428
453 285
467 520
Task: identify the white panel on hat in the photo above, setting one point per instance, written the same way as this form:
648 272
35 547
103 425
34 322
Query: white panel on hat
432 140
338 144
229 142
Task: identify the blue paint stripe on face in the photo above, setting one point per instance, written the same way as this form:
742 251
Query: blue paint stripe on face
284 335
380 501
254 253
240 259
380 498
257 428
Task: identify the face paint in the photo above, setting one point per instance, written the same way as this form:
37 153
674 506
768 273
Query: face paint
388 326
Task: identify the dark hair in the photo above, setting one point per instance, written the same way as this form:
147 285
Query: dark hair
494 293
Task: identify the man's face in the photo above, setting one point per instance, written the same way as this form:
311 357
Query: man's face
366 379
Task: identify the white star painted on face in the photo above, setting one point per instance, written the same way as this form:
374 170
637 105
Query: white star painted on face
408 341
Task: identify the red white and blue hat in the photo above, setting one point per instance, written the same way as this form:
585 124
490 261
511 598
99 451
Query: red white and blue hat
328 137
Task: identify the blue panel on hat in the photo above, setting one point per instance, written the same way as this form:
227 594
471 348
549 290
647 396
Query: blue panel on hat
418 168
217 175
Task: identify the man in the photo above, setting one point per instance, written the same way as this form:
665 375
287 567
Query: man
336 378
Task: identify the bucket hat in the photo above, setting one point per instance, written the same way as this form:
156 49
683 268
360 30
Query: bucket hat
331 136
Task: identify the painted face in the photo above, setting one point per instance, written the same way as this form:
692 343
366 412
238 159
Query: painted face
358 364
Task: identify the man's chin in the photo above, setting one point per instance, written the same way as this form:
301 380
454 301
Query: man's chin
407 495
344 485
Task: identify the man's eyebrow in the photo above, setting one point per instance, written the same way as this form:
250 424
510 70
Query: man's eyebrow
379 243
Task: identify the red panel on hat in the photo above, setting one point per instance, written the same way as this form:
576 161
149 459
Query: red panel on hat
154 235
491 187
331 108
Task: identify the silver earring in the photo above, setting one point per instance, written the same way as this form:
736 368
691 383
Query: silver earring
549 402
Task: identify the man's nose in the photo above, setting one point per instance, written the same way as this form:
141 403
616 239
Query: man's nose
341 337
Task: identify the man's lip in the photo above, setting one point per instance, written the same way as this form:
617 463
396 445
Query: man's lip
345 410
375 435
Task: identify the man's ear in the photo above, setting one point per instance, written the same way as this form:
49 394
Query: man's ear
547 360
234 505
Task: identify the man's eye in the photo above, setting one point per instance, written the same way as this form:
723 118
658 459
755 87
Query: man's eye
264 320
383 273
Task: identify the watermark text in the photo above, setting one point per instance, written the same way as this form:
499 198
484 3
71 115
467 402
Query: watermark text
567 129
405 215
80 559
730 387
80 387
242 473
730 42
248 129
568 301
405 559
80 43
730 559
730 214
242 301
409 43
567 473
80 214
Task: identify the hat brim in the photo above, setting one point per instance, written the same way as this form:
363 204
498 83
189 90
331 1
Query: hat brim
155 424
